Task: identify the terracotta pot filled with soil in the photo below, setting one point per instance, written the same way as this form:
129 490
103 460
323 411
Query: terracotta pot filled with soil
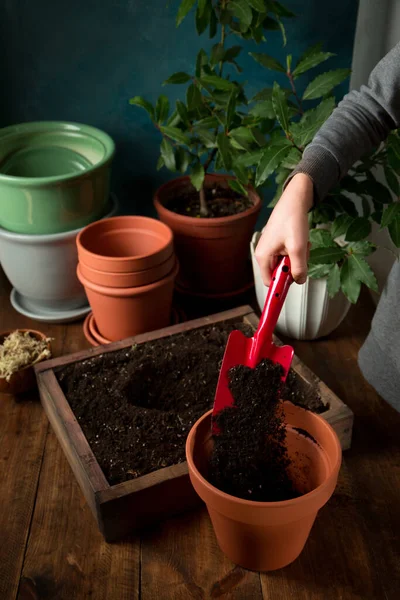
121 312
213 250
268 472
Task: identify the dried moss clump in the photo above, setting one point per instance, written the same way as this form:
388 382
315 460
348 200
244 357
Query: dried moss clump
21 349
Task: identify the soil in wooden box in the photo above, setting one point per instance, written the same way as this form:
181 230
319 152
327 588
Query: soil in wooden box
249 458
137 405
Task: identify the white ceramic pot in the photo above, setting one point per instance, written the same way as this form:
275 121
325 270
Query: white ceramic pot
308 312
42 268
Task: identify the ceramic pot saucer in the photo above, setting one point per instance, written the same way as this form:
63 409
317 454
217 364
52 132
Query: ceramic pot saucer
46 315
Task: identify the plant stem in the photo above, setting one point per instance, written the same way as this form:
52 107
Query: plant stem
292 85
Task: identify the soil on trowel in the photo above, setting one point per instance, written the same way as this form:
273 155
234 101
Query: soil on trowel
221 202
250 458
137 405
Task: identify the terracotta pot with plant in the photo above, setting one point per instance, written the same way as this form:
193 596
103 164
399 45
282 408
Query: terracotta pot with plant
214 129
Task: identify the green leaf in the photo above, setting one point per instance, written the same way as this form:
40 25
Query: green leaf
193 97
207 123
377 191
217 54
201 61
174 119
321 238
271 158
391 213
160 163
250 159
257 5
177 78
366 207
224 150
309 62
182 160
346 205
326 256
392 180
197 176
182 112
312 120
202 5
377 216
139 101
393 152
324 84
219 83
175 134
242 11
167 153
265 94
236 186
358 230
283 31
184 8
268 61
333 282
213 24
350 285
243 136
230 109
363 248
270 24
203 19
232 53
341 225
292 159
362 271
263 110
207 137
162 109
280 106
318 271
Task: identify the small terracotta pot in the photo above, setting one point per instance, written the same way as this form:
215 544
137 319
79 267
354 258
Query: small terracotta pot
124 244
134 279
23 380
124 312
212 252
264 536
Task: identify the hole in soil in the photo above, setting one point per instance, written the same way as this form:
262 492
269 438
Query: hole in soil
137 405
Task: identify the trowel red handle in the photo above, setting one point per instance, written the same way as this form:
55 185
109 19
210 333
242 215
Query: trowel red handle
277 291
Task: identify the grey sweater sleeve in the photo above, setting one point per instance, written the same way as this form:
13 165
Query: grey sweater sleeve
360 122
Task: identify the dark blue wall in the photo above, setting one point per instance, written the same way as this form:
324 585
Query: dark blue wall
82 60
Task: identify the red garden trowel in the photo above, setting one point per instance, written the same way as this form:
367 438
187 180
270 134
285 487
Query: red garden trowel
241 350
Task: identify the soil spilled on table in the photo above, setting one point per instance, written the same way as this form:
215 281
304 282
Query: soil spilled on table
221 202
137 405
249 458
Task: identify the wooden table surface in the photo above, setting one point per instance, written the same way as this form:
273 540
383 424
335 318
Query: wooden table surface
50 547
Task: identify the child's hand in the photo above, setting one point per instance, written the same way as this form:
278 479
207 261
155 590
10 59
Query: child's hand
286 232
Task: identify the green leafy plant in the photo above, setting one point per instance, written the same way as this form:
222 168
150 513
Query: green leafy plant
261 140
212 127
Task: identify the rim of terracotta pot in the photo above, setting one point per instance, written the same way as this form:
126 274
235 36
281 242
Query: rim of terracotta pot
131 291
163 229
48 127
46 238
206 222
253 503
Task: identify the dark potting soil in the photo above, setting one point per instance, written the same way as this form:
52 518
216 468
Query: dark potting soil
221 202
137 405
249 458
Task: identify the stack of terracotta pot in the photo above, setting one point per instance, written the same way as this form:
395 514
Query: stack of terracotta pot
128 267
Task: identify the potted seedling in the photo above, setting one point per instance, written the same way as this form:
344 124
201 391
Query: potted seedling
210 130
341 225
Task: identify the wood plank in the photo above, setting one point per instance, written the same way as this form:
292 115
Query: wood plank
66 557
234 313
181 560
23 430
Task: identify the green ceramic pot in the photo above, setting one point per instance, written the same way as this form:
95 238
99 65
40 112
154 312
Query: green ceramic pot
54 176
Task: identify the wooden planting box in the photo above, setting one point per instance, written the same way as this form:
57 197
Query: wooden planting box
119 509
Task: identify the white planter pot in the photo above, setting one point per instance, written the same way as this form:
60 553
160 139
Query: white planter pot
42 268
308 312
